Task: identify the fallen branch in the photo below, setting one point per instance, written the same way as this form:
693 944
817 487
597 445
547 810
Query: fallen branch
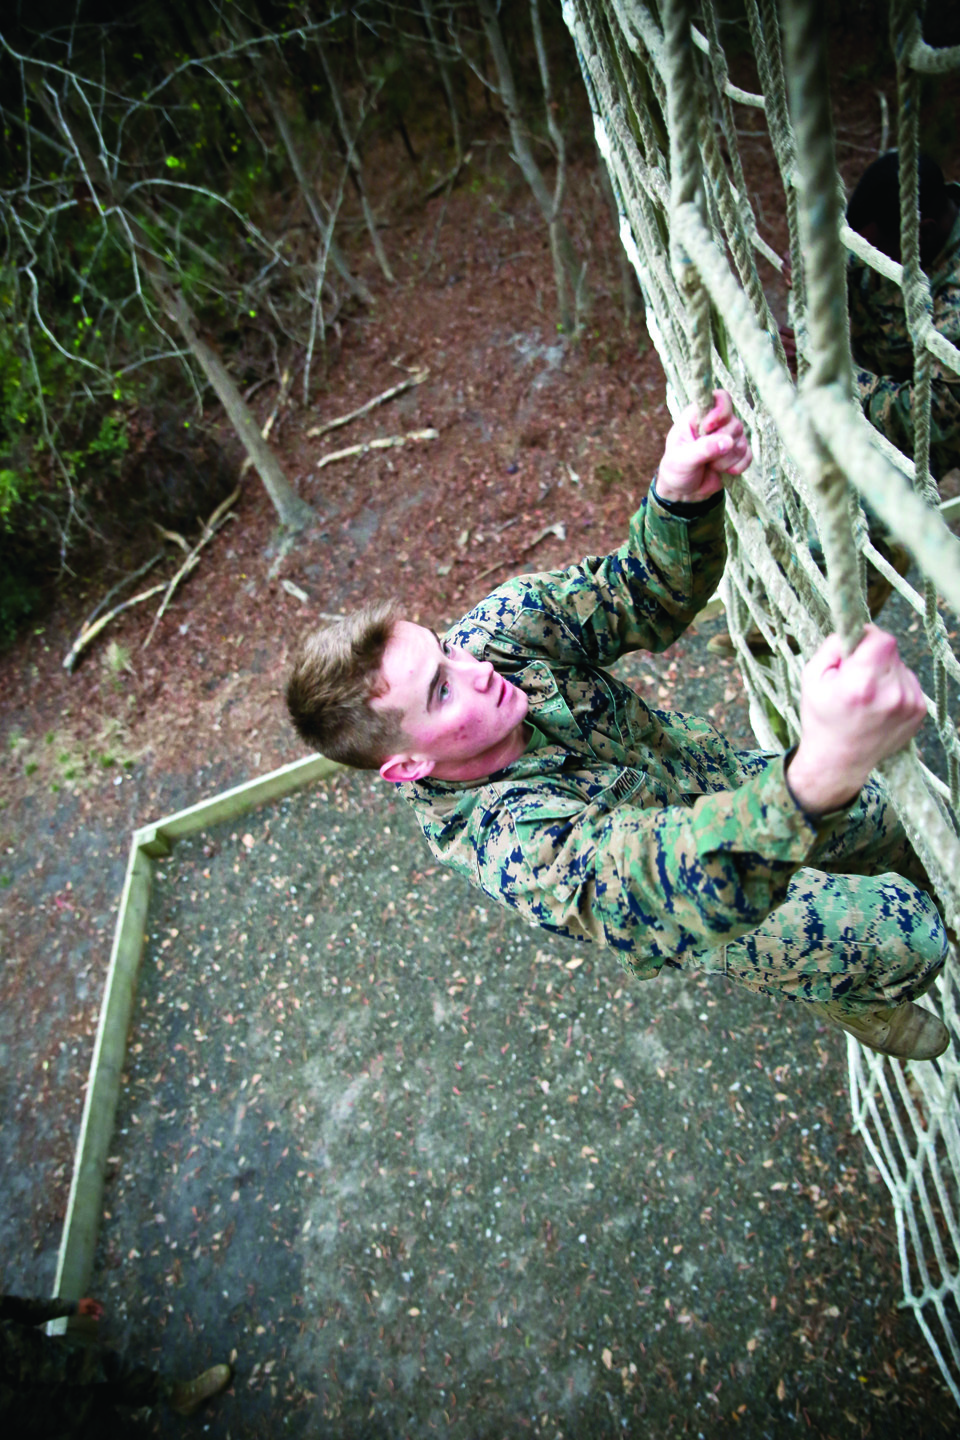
416 379
90 632
449 179
558 528
286 381
173 536
388 443
490 569
219 517
115 590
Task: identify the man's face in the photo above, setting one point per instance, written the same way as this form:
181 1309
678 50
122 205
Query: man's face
461 720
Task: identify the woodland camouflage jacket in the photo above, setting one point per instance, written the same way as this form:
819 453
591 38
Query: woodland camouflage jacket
641 829
884 357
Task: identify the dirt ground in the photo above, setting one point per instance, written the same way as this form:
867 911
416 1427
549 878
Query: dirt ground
424 1170
544 448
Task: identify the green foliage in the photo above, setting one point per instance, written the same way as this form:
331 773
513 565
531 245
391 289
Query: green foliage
9 491
62 429
19 599
146 155
56 421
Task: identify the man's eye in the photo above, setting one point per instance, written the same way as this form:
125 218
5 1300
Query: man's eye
443 691
446 647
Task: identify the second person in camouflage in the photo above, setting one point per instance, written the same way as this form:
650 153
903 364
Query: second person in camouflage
882 350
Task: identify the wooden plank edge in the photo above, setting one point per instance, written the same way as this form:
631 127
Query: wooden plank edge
276 785
82 1222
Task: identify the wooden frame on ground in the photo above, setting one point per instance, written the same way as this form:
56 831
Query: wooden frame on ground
82 1222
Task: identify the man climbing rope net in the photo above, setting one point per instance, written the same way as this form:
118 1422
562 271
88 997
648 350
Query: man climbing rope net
551 785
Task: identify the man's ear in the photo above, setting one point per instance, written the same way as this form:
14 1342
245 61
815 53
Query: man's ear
400 767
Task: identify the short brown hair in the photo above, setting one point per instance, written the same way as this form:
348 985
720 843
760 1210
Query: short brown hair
336 673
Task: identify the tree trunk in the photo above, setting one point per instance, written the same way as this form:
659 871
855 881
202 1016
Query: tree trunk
354 164
568 272
445 77
295 514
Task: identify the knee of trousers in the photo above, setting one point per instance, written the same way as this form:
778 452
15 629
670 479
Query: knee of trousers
880 960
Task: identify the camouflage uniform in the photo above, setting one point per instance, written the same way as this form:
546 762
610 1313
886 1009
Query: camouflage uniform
646 830
883 354
49 1387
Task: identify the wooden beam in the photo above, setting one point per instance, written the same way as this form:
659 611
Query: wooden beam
82 1223
231 803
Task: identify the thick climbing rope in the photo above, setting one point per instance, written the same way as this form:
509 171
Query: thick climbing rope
653 72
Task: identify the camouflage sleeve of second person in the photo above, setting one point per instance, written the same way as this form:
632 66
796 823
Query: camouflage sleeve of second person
658 884
643 596
883 355
23 1310
888 405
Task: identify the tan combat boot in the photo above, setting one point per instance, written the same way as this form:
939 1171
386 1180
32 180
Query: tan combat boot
905 1031
188 1395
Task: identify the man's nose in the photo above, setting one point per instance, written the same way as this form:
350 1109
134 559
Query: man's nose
482 675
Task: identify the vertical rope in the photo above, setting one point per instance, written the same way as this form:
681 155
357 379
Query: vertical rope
916 293
640 112
830 362
686 186
765 35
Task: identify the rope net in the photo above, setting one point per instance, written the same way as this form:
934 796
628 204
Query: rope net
665 117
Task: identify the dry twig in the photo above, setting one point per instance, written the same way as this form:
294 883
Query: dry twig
558 528
417 378
173 536
114 590
388 443
219 517
90 632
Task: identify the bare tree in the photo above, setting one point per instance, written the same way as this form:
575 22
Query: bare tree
263 62
107 179
441 60
569 271
353 159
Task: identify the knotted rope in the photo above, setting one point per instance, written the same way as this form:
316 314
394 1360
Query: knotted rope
815 456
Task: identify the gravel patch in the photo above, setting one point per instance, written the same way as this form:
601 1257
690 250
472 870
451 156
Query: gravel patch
427 1170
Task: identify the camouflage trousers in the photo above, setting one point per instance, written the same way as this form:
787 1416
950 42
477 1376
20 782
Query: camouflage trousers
858 925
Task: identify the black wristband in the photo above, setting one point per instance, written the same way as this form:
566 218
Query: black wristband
686 509
815 818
